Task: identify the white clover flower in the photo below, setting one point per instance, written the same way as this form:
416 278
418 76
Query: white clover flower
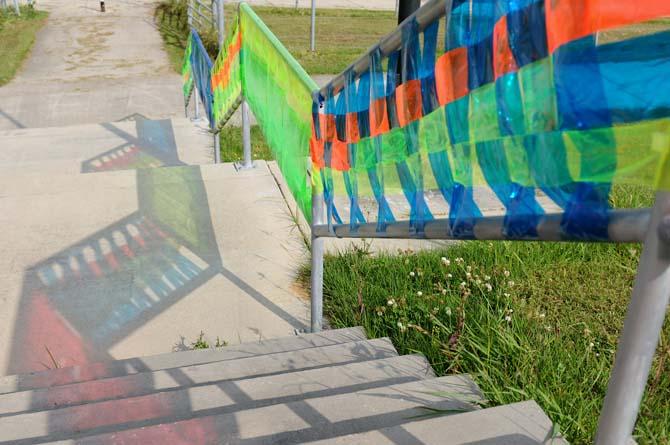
391 302
449 275
469 268
508 318
487 278
506 273
489 288
478 281
419 293
463 284
445 261
444 292
448 311
542 315
510 283
468 275
380 313
411 274
591 345
506 295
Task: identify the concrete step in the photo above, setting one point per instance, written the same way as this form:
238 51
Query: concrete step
304 420
195 375
220 398
516 424
134 366
110 146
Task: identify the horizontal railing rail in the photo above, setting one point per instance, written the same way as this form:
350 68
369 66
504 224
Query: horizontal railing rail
625 226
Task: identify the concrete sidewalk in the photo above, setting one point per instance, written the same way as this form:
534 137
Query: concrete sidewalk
89 67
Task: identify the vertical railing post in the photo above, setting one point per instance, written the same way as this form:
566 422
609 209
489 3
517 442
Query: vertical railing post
246 136
641 331
316 279
221 34
196 106
312 31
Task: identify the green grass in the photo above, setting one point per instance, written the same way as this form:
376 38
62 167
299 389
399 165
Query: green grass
17 35
231 144
546 330
172 22
342 35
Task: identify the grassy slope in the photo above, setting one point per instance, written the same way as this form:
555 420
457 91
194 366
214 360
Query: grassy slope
342 35
17 35
547 331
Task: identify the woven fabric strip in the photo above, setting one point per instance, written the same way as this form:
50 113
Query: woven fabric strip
226 79
201 67
187 72
521 109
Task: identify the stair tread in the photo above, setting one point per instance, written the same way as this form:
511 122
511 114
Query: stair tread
194 375
228 396
305 420
522 423
99 370
108 146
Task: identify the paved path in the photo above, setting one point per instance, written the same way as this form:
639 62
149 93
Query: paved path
89 67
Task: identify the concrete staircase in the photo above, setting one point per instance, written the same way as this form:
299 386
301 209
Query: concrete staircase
331 387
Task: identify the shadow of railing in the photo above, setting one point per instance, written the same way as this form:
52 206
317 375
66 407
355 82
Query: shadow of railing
154 146
79 302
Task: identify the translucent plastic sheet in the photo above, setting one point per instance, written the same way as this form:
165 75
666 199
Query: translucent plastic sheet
279 93
226 78
187 72
521 111
201 66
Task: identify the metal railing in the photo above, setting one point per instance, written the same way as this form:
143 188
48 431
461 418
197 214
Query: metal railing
205 15
15 5
650 296
651 293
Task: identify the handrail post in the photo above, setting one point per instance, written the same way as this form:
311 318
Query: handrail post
312 29
195 87
316 278
221 34
641 331
246 136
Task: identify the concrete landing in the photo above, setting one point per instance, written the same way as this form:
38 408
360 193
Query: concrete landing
92 148
126 263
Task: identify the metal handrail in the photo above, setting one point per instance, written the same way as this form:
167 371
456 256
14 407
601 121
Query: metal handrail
424 16
625 226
